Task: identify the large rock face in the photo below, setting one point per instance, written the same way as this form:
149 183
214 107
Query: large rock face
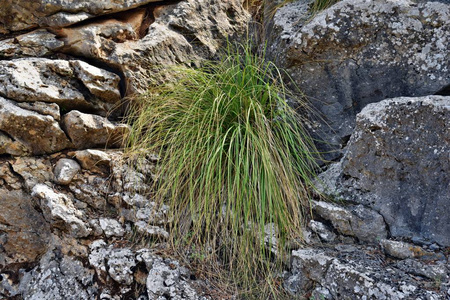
398 163
24 14
359 52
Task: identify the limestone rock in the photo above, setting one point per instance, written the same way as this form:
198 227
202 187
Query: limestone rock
397 162
59 81
32 170
12 147
92 131
24 234
59 279
111 227
165 279
404 250
360 52
179 33
43 108
120 265
94 160
40 134
320 229
365 224
25 14
101 83
358 273
59 211
37 43
151 230
65 170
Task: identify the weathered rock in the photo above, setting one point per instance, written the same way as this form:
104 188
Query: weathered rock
100 83
120 265
165 279
94 160
360 52
66 83
59 210
65 170
24 234
151 230
23 14
12 147
39 134
397 162
365 224
32 170
320 229
38 43
404 250
57 278
92 131
111 227
47 109
357 274
182 32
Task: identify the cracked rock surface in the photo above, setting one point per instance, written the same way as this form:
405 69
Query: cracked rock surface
397 163
360 52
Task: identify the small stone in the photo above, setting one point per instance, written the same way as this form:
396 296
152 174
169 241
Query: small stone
401 250
65 170
151 230
94 160
111 227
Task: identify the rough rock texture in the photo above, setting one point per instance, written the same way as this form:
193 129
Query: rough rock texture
66 83
59 210
364 224
397 162
360 52
363 273
25 14
92 131
139 42
72 241
65 170
36 133
24 234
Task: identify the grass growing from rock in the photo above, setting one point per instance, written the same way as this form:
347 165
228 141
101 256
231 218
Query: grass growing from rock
234 158
319 5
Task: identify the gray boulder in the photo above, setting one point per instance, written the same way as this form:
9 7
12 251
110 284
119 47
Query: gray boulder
397 162
360 52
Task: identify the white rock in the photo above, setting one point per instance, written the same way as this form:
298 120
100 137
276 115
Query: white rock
58 207
65 170
111 227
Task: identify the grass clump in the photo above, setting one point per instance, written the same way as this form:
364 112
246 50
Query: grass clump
319 5
235 162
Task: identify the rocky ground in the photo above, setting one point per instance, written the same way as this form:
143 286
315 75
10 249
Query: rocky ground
75 212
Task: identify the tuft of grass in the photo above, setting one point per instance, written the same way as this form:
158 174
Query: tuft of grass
235 163
319 5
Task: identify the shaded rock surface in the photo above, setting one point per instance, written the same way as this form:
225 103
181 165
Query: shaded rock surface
397 162
360 52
